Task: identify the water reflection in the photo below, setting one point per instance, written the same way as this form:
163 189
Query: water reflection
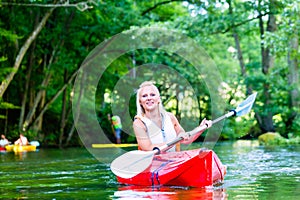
169 193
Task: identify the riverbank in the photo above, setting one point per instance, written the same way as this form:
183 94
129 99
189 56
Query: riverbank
273 138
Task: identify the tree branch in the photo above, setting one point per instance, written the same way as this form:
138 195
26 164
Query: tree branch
241 23
82 6
158 4
45 108
23 51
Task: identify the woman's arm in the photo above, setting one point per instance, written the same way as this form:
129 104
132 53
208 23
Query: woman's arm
17 141
204 122
181 132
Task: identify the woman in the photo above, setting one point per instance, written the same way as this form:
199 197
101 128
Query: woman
3 141
155 127
22 141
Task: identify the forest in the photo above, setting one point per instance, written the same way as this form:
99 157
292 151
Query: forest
245 46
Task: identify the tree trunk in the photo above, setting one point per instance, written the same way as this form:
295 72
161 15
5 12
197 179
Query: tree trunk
27 78
44 84
37 100
23 51
63 113
6 122
265 118
25 93
38 125
294 71
293 78
238 48
43 110
76 118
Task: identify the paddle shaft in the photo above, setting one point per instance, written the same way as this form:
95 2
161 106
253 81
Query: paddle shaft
193 132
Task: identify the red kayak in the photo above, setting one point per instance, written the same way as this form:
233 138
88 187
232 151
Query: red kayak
194 168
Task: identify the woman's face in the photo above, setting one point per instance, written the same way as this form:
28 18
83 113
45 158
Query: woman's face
149 98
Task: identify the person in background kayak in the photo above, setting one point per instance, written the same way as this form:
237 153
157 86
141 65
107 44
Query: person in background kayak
117 127
153 125
3 141
22 140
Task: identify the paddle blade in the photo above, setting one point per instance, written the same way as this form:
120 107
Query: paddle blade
246 105
132 163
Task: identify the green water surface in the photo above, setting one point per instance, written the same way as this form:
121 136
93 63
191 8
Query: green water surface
254 172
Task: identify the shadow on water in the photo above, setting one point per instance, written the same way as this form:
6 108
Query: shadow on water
253 172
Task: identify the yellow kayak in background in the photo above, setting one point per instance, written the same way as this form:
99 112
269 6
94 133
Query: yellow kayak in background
18 148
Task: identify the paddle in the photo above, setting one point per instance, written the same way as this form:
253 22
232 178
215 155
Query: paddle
134 162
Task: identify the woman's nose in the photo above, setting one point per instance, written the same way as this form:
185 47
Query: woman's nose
149 97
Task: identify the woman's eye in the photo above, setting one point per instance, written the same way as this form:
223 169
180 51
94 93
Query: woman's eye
152 95
144 95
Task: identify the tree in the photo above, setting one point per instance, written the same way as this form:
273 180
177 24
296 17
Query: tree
5 83
293 63
265 118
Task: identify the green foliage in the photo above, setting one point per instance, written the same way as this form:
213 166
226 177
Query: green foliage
294 132
70 35
270 139
6 105
8 35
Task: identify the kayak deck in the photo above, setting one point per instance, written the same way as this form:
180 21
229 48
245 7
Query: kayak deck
195 168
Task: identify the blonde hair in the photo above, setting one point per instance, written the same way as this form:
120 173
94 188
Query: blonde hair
139 109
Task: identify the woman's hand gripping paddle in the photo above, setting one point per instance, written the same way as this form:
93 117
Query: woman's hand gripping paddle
134 162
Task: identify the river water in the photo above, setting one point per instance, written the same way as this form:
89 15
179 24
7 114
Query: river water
253 172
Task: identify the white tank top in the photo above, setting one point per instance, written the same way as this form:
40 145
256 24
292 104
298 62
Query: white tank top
157 135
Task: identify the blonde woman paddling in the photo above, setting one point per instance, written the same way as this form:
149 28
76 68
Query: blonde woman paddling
153 125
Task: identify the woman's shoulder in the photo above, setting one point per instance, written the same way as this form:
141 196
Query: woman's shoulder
138 122
170 114
172 117
138 119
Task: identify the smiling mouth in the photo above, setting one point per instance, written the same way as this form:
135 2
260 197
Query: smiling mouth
150 103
